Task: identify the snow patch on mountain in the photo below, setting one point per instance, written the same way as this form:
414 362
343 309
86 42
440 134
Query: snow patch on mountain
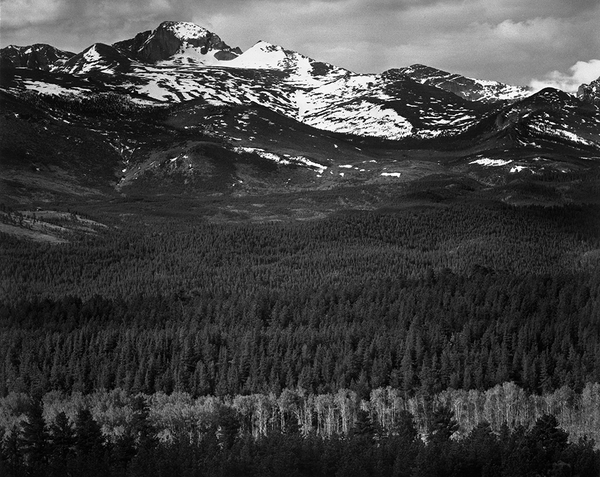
186 30
262 55
51 89
192 57
285 159
362 118
301 70
484 161
551 129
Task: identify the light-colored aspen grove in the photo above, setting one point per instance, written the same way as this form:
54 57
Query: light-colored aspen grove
325 414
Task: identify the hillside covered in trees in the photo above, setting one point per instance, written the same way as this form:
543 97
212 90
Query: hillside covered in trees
489 311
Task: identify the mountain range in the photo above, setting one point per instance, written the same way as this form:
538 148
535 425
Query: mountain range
177 111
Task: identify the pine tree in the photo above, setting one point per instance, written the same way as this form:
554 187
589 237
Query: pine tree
228 426
364 428
142 429
62 437
442 426
35 439
546 442
12 452
89 444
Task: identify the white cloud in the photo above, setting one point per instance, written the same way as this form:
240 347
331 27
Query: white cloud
581 72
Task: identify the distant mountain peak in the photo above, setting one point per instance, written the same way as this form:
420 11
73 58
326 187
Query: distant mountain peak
39 56
468 88
184 30
98 57
172 38
590 93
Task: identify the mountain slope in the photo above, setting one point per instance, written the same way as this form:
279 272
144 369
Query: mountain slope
467 88
39 56
545 119
97 58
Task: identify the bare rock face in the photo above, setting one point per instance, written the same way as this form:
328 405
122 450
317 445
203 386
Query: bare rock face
171 38
590 93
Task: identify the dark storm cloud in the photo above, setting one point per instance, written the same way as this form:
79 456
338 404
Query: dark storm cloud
509 40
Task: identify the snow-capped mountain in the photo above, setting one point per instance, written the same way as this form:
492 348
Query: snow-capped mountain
179 100
181 61
173 39
97 58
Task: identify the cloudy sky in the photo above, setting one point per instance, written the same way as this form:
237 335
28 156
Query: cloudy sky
527 42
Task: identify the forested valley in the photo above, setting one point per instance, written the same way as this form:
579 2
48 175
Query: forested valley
444 340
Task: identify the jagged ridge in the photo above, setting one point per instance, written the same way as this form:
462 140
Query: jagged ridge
181 61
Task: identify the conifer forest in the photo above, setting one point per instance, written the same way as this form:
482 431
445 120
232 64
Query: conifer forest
455 340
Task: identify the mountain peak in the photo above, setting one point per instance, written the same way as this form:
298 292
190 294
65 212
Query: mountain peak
171 38
468 88
267 55
184 30
590 93
98 57
37 56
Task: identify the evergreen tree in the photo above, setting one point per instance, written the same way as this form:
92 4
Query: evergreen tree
364 429
546 443
228 426
141 428
35 439
12 453
89 444
62 438
442 425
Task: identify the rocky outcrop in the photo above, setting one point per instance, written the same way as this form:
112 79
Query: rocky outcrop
590 93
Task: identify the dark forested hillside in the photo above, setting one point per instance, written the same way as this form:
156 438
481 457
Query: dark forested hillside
422 301
292 348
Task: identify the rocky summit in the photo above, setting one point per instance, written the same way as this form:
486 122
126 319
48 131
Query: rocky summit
590 93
